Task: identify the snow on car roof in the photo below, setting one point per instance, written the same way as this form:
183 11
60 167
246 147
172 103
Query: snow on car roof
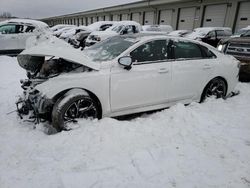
55 27
207 29
95 26
28 21
127 22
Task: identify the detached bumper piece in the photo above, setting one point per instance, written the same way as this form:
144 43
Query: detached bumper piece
233 93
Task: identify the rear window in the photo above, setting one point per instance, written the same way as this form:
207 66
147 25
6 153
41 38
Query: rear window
186 50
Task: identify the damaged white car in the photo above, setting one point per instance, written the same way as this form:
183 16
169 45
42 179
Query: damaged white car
121 75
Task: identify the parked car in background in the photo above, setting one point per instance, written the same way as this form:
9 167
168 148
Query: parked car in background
59 26
179 33
66 35
239 47
119 28
163 29
210 35
241 32
121 75
78 40
101 25
58 32
15 32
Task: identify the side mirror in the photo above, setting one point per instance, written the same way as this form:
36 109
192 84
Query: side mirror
125 61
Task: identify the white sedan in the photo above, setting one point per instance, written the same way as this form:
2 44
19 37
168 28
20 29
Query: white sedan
121 75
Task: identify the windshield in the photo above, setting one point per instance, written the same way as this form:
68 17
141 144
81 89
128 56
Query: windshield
109 49
246 34
118 28
241 31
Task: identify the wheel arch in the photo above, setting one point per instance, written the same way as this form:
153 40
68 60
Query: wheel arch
91 94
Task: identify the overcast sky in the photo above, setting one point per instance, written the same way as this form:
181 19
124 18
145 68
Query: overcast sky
48 8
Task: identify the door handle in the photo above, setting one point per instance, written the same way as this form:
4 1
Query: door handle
206 67
163 70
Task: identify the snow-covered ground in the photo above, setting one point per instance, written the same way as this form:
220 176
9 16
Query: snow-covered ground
200 145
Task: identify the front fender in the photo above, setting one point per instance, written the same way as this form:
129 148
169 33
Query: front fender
96 83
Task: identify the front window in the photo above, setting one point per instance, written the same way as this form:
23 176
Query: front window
109 49
211 34
118 28
152 51
241 31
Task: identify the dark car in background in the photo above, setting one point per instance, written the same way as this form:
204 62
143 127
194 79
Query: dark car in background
210 35
239 47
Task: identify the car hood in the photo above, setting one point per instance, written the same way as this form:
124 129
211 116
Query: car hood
55 48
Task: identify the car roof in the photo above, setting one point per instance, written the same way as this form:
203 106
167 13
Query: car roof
27 21
146 37
207 29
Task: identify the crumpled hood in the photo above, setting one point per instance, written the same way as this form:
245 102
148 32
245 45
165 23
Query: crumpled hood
57 48
104 34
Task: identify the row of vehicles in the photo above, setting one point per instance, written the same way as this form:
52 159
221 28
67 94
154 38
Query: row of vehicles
126 70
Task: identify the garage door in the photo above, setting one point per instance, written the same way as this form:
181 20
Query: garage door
243 19
116 17
94 19
100 18
136 17
89 20
186 18
215 15
124 16
107 18
149 18
166 17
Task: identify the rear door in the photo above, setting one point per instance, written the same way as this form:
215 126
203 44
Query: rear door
25 32
191 70
147 82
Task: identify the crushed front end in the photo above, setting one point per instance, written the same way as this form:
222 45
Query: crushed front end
32 104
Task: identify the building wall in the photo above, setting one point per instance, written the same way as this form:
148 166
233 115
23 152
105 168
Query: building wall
180 14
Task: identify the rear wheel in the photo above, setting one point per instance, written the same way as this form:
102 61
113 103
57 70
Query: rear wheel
216 87
71 107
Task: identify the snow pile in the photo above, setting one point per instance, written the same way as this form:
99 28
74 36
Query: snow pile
200 145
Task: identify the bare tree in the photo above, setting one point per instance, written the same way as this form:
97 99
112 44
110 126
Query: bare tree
5 15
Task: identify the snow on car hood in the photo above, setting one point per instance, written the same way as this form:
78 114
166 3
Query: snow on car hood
57 48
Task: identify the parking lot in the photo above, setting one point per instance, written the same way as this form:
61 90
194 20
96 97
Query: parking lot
125 94
199 145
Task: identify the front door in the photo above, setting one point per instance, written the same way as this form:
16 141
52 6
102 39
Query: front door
147 82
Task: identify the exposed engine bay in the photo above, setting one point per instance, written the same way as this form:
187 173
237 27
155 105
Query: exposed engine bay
39 70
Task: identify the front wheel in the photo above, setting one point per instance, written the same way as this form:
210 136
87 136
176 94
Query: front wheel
216 87
72 107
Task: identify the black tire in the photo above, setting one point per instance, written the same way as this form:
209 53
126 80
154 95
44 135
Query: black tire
216 87
73 106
